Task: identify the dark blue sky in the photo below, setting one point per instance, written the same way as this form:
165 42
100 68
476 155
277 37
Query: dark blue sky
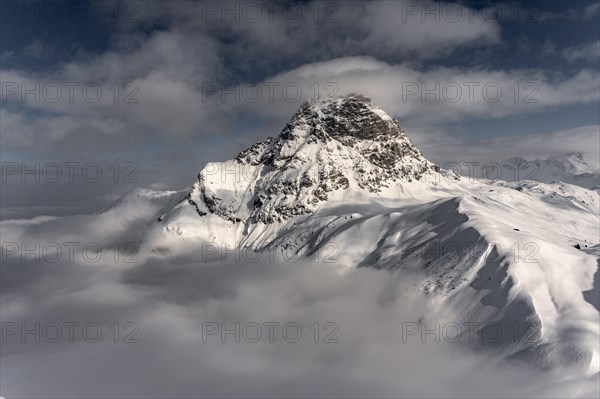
86 26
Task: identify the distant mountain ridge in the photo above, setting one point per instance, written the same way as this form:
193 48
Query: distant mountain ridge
569 168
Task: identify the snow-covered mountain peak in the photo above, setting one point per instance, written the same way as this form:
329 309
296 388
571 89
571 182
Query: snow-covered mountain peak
572 162
351 127
353 116
331 148
344 175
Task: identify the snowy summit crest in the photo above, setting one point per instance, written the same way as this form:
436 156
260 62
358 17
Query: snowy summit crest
329 149
353 115
352 121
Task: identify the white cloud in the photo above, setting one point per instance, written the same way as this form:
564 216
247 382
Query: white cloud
172 106
591 11
432 96
423 30
170 296
34 49
587 52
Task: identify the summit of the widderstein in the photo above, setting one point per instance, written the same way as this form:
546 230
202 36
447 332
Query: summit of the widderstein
329 147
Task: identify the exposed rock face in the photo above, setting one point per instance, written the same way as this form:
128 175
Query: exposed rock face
329 146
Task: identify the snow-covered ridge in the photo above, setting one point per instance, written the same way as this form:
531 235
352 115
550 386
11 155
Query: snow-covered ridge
569 168
344 175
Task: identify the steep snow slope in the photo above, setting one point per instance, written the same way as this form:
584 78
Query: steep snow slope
344 183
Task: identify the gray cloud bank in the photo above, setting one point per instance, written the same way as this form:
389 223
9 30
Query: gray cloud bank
168 295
